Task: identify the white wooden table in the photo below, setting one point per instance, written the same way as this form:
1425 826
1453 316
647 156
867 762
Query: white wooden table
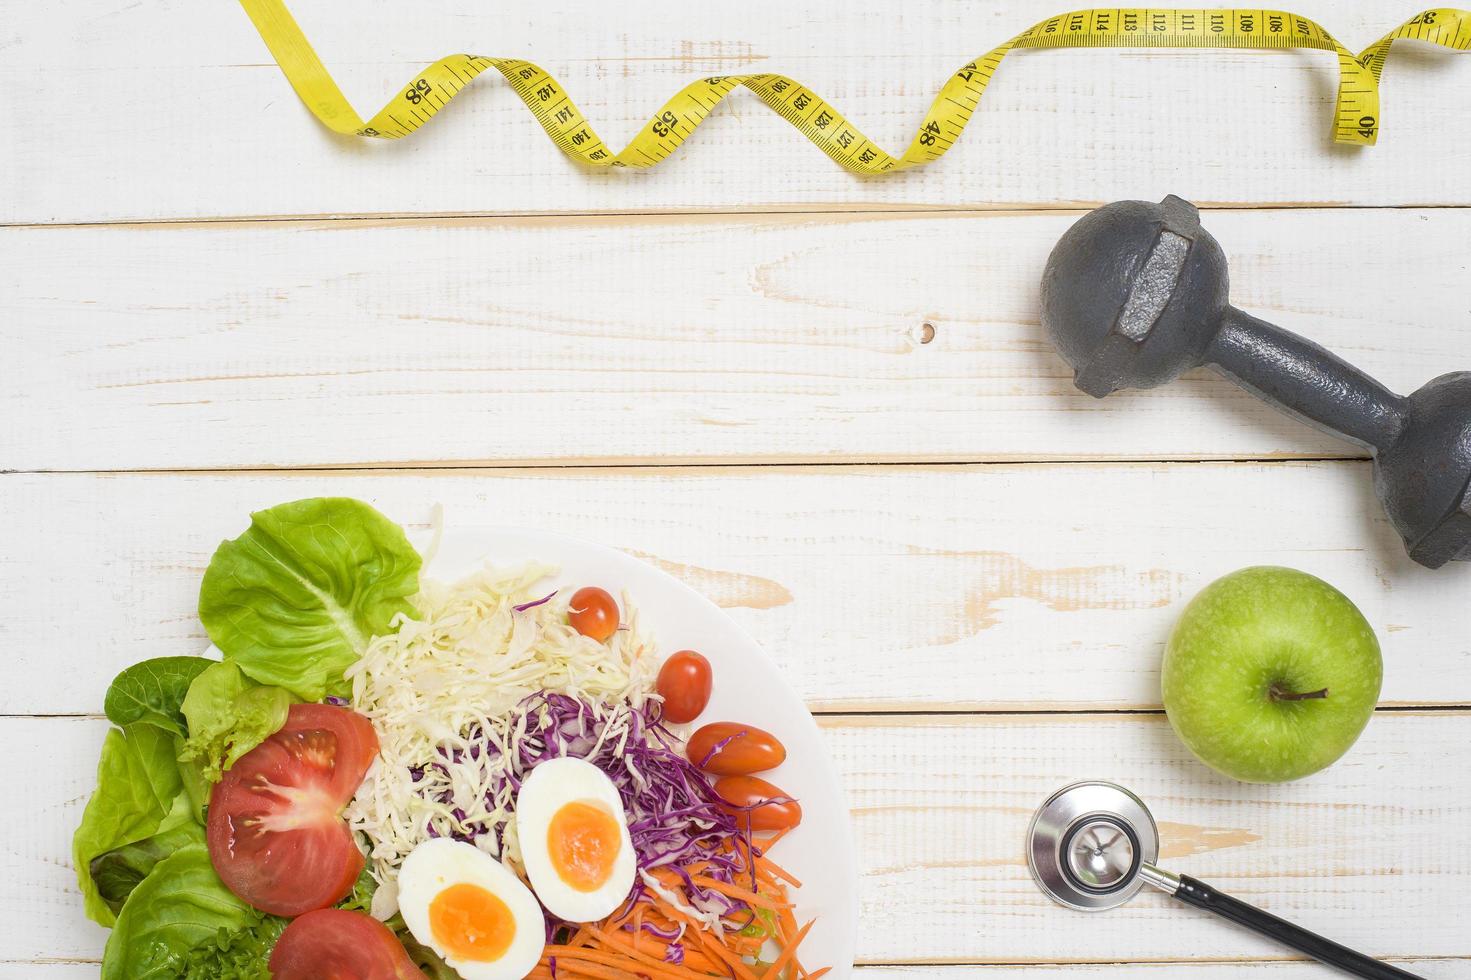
823 401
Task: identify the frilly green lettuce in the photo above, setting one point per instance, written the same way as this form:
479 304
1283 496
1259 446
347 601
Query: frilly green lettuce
179 908
228 715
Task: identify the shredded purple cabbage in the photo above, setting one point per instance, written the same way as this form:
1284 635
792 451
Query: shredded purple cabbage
719 747
535 602
668 935
674 816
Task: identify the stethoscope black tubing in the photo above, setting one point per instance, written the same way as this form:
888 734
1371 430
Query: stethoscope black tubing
1203 896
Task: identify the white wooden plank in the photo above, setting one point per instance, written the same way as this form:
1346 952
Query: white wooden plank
148 114
758 338
1369 851
1431 968
1300 970
889 588
948 802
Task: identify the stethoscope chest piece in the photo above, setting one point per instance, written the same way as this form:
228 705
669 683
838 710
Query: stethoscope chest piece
1088 843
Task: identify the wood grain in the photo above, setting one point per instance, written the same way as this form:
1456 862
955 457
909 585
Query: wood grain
1432 969
1445 967
184 115
875 588
560 361
1368 851
678 339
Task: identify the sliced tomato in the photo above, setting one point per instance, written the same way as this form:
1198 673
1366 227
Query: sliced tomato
276 834
335 944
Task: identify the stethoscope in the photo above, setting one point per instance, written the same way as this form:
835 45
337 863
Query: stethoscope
1093 845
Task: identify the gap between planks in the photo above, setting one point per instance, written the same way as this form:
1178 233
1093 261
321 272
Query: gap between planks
677 465
908 210
879 715
960 964
1161 962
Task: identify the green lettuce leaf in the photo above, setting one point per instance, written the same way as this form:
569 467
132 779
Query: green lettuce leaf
241 955
296 598
196 786
123 869
425 958
152 692
360 899
137 783
177 910
228 714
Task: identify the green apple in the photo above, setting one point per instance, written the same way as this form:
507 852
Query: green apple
1270 674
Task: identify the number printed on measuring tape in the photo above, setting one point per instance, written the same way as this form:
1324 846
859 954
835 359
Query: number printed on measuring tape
1355 119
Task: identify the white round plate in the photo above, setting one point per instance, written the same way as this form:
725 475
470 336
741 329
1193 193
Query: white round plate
748 688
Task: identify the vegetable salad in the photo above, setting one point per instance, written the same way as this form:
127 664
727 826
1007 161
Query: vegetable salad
390 777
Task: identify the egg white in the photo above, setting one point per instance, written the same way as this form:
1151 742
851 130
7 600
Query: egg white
436 865
552 785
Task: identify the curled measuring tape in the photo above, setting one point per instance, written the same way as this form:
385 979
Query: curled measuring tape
1356 115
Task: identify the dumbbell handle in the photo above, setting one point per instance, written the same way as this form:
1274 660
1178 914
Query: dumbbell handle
1307 381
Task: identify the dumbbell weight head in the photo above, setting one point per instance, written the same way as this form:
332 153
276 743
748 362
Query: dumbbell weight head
1424 476
1135 294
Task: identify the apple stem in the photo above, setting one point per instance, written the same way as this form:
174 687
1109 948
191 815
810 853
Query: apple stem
1279 694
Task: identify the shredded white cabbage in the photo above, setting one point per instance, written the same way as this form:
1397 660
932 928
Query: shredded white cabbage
445 684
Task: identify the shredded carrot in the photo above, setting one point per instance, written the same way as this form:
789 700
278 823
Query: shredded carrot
788 923
732 891
621 948
644 964
767 843
641 947
571 968
766 865
787 954
683 970
717 950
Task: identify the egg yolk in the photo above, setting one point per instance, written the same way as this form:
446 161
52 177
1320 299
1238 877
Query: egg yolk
583 840
471 923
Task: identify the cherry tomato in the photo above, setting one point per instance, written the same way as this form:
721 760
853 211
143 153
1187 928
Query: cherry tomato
335 944
275 830
593 613
757 804
726 748
684 684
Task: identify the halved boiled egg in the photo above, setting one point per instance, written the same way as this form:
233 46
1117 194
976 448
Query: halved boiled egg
471 910
574 840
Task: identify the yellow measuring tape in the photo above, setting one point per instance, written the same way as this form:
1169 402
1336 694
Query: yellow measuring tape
1356 116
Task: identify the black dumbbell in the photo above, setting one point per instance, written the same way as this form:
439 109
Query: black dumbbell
1135 294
